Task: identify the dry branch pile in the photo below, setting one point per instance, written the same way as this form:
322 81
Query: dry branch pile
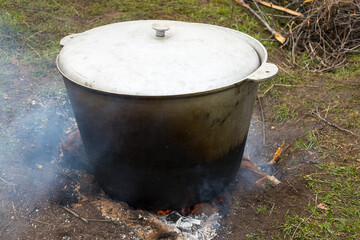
325 30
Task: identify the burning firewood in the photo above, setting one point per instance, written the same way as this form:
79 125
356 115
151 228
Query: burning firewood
204 208
267 180
143 223
276 156
264 179
73 151
246 163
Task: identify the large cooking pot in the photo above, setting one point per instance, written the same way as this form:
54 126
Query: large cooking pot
163 107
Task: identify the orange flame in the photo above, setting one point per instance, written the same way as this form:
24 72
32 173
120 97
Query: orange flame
163 212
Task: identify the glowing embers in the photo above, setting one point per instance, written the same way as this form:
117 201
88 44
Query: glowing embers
200 221
163 212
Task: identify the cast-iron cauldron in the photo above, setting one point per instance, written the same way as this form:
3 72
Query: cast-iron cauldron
163 107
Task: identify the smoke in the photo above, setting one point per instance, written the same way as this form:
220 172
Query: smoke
256 150
34 115
29 145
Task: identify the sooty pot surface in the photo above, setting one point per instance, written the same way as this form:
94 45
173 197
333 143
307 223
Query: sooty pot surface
154 140
164 153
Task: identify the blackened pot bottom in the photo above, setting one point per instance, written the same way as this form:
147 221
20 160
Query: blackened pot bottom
168 188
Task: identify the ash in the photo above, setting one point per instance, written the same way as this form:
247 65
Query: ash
195 227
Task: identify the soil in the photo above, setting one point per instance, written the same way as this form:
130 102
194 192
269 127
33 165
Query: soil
36 184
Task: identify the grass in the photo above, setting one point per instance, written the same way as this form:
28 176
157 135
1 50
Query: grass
351 70
337 187
283 113
261 209
309 142
30 32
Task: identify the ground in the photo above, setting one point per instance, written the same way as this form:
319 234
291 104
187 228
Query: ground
318 167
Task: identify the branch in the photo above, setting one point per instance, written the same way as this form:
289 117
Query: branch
263 119
75 214
271 5
86 220
333 125
277 35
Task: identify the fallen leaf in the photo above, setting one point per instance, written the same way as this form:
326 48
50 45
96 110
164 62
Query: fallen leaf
322 206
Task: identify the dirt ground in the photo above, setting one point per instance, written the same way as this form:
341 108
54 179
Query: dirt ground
36 184
34 193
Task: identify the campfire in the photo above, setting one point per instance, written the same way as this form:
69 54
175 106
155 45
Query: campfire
201 221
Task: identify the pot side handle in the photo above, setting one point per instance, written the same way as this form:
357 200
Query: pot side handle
266 71
68 38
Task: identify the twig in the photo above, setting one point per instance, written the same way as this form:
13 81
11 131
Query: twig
33 49
35 34
327 110
87 220
272 208
290 85
263 120
33 220
271 5
77 13
75 214
232 13
332 124
1 231
267 40
4 181
292 237
100 220
267 90
30 8
292 186
286 71
15 212
277 35
285 85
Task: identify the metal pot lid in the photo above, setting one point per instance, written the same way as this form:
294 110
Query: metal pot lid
158 58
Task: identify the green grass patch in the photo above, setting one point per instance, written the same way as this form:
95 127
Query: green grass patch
307 143
351 69
335 212
283 113
261 209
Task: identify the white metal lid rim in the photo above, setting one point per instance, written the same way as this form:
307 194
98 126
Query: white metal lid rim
175 96
257 75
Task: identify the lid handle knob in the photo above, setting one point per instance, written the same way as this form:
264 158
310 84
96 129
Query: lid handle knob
160 29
